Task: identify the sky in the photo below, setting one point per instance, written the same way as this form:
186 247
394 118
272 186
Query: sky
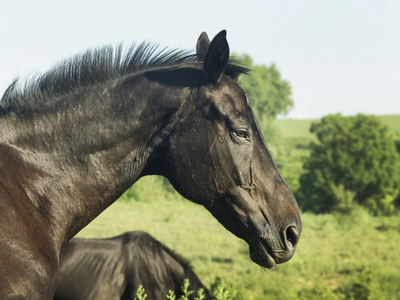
339 56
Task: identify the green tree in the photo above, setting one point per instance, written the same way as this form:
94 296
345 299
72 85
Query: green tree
269 93
355 160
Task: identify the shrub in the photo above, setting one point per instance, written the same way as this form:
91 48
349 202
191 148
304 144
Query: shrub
140 293
360 286
354 161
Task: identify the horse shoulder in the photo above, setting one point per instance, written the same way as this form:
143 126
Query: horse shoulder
29 259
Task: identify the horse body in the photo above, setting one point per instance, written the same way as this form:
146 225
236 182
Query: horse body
114 268
68 152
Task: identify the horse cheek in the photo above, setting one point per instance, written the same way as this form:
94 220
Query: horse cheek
190 172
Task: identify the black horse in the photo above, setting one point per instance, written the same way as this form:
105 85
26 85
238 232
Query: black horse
114 268
76 138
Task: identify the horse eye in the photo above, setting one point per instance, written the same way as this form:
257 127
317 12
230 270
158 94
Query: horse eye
240 133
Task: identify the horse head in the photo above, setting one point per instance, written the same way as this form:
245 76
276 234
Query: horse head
217 157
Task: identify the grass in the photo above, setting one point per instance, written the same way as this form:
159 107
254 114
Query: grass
335 255
294 128
393 122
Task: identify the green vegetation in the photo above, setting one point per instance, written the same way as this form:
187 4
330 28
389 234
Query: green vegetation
393 122
269 93
300 129
355 162
187 292
338 255
140 293
221 293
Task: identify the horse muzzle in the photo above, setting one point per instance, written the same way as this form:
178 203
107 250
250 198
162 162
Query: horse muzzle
268 251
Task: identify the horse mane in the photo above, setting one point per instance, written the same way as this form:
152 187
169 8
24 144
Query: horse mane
95 67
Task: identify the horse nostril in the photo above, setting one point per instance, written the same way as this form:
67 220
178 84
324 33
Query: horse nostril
292 236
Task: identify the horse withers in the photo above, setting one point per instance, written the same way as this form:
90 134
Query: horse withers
114 268
73 140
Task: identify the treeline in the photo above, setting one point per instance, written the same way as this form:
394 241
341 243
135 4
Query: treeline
352 162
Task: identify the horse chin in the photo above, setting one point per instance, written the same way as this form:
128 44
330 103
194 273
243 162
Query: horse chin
261 257
257 247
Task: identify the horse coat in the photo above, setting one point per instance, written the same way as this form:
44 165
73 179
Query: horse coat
114 268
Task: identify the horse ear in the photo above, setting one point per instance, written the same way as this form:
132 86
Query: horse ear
202 46
217 57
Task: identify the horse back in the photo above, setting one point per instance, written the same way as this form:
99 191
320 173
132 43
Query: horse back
114 268
91 270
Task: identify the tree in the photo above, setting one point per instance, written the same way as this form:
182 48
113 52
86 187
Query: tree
269 93
355 160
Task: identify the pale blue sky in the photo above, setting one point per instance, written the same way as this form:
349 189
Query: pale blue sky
339 56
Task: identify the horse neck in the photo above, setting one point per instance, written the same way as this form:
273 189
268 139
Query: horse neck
75 158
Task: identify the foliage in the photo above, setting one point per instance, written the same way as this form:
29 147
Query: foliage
220 291
140 293
186 292
171 295
355 159
153 188
319 292
361 286
200 295
269 93
293 147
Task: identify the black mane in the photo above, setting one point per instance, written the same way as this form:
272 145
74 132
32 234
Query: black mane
94 67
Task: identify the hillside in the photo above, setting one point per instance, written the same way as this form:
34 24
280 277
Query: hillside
290 151
296 128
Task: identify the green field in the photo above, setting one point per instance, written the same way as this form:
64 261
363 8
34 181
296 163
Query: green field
295 128
356 253
339 256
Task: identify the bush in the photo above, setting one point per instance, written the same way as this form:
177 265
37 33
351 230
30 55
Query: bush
354 161
360 286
